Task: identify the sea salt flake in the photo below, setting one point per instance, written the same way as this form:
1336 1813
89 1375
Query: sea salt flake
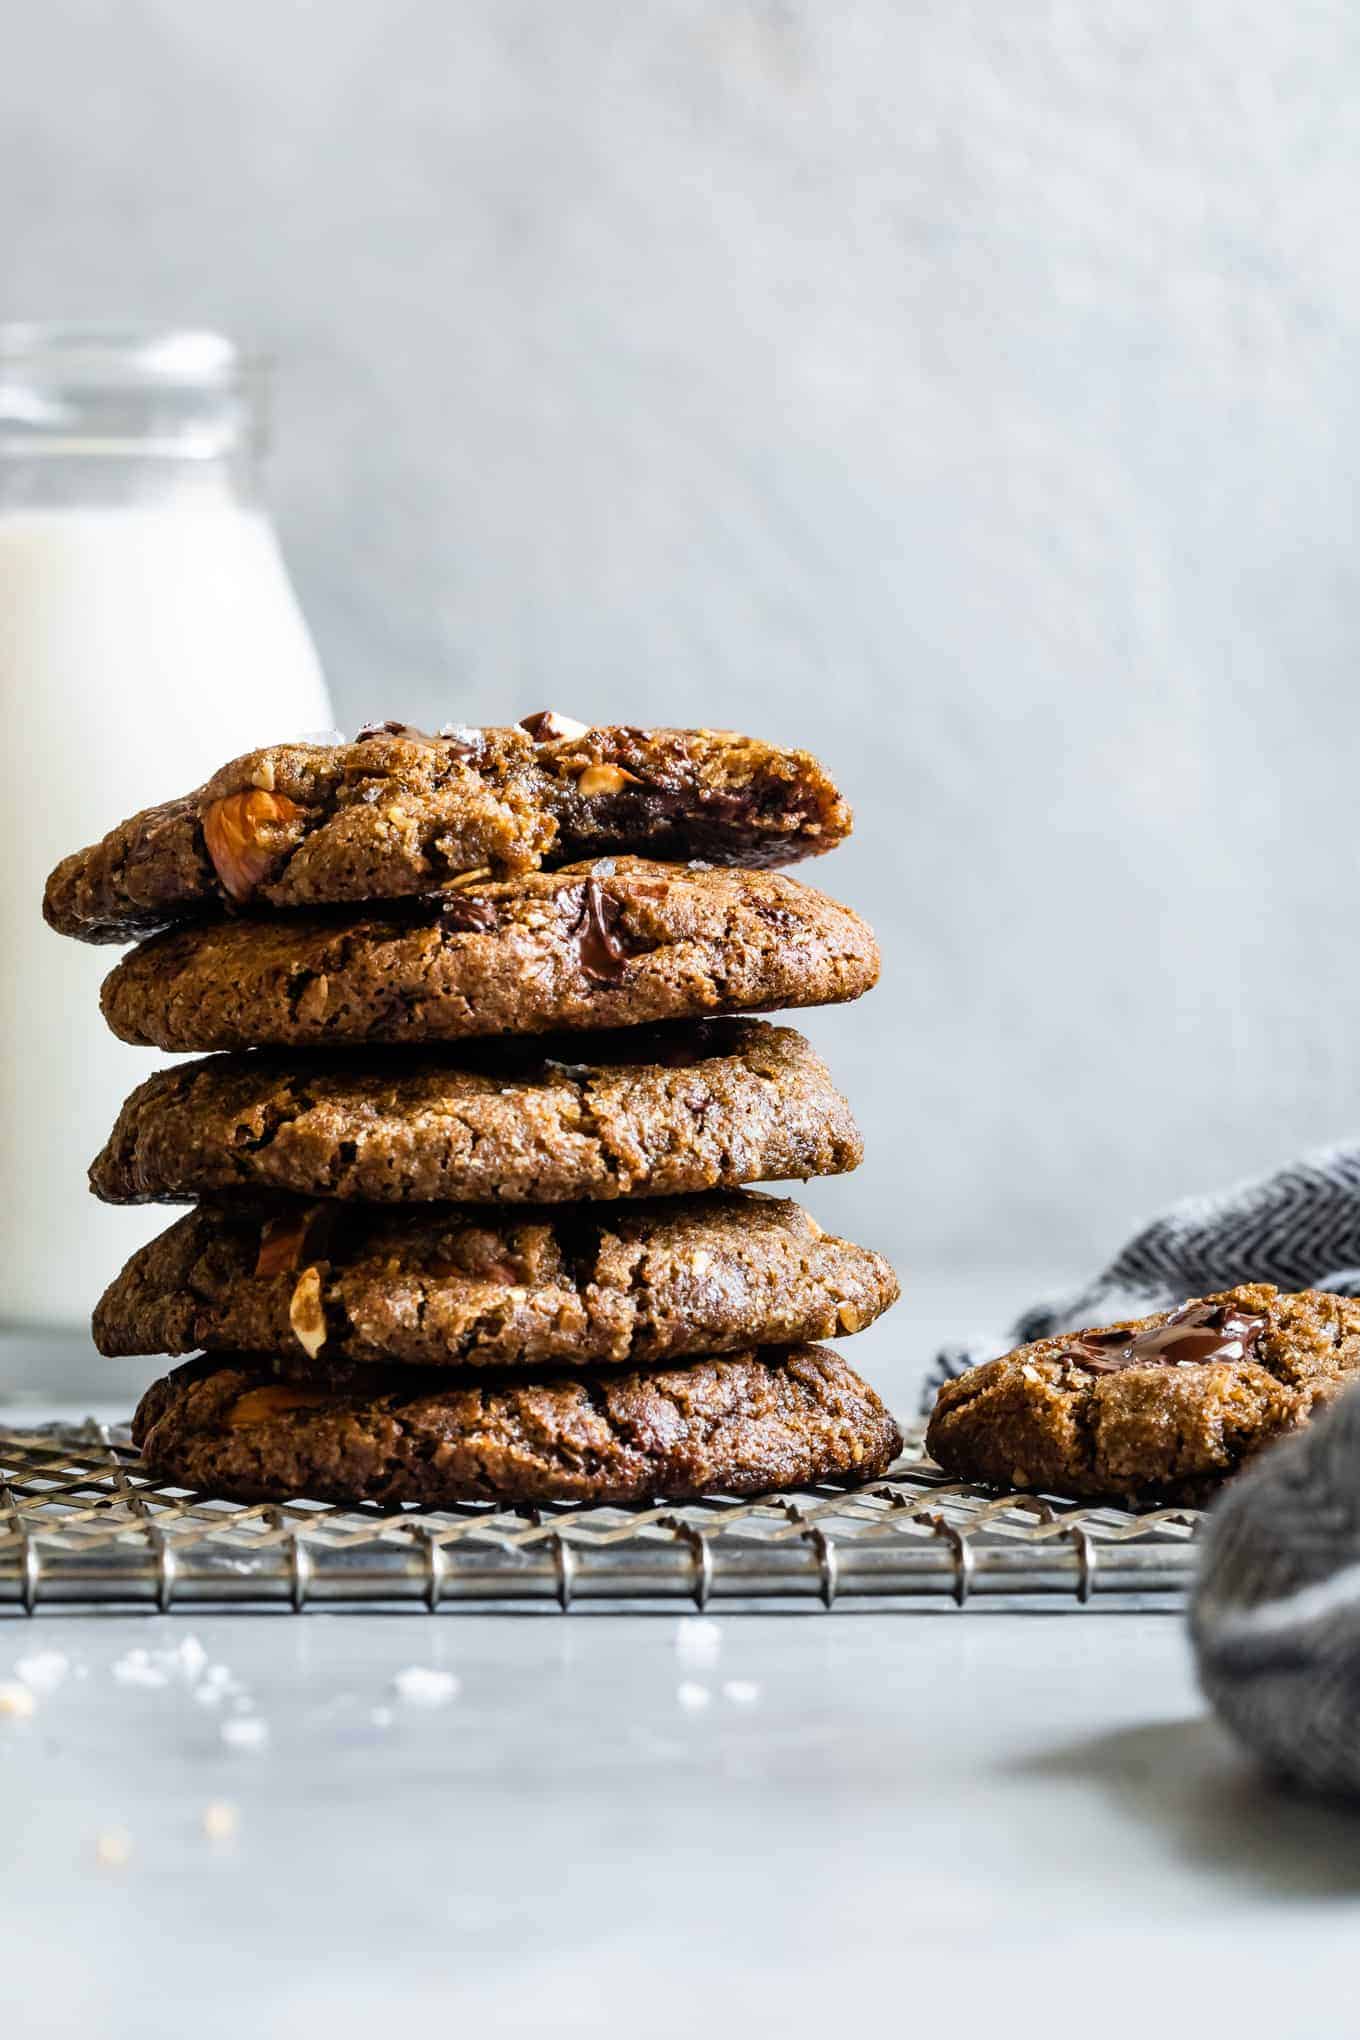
245 1732
692 1697
424 1686
698 1641
212 1692
214 1687
138 1669
744 1692
42 1671
191 1657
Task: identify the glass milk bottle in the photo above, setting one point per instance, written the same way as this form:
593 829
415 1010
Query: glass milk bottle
148 633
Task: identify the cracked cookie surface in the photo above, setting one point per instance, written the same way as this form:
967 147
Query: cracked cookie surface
461 1286
240 1427
651 1111
1159 1409
399 812
616 943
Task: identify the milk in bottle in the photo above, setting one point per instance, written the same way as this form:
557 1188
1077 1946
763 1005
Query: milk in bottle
148 633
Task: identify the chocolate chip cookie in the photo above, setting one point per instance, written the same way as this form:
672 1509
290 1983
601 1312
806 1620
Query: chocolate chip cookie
757 1421
1160 1409
443 1286
651 1111
611 944
399 812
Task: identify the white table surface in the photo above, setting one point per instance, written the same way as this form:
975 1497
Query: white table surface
793 1823
663 1825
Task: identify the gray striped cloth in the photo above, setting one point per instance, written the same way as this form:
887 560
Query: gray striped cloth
1298 1227
1275 1617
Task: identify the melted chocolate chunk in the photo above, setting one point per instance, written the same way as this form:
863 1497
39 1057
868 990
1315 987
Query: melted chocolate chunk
1194 1335
595 931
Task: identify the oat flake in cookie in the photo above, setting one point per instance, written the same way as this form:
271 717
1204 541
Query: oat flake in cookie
400 812
239 1427
615 943
461 1286
1161 1409
647 1112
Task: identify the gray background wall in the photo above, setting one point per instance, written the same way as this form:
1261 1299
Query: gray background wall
965 390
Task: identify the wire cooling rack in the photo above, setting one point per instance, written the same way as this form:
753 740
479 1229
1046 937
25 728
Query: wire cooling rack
83 1526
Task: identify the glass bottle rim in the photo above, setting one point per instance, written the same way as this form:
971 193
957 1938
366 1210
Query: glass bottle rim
132 353
131 391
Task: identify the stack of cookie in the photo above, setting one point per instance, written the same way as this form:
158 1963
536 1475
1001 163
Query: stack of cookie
465 1154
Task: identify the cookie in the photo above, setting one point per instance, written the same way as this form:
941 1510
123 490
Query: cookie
741 1426
651 1111
398 812
616 943
466 1286
1163 1408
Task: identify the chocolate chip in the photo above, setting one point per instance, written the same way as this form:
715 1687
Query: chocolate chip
463 742
546 726
448 739
470 916
385 729
781 919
